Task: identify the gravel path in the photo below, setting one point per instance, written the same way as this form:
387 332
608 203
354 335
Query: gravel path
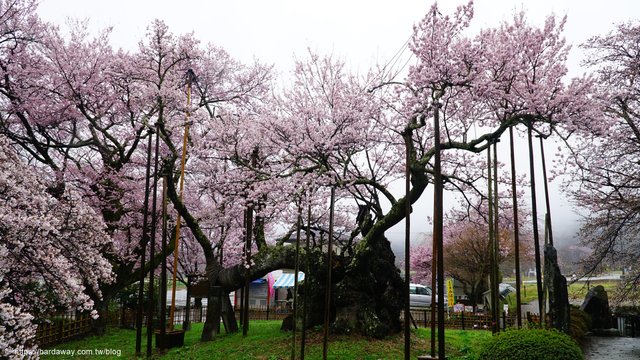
612 348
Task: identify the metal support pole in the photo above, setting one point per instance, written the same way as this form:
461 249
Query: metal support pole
305 301
407 246
437 226
245 324
327 293
143 250
183 160
534 213
163 281
295 283
241 305
491 223
516 230
242 289
496 231
186 324
434 270
152 250
546 191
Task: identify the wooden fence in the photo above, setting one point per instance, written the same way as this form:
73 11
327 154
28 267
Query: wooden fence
66 327
61 328
197 315
460 320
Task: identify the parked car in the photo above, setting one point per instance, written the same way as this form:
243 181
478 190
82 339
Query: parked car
420 296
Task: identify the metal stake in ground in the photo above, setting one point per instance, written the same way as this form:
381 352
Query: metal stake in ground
143 250
327 293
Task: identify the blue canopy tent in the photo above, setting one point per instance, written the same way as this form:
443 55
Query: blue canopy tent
287 280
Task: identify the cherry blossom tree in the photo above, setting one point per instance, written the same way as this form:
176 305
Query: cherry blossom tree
81 113
50 251
604 154
332 129
17 330
466 246
74 120
421 258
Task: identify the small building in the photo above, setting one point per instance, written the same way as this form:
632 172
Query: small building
270 290
283 287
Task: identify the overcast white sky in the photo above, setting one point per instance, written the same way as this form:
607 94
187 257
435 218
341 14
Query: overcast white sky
362 32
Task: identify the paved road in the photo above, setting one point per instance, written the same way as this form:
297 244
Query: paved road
612 348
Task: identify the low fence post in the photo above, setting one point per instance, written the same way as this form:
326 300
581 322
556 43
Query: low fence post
463 327
504 320
186 325
425 317
60 331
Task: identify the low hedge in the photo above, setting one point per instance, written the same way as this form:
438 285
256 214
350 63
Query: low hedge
531 344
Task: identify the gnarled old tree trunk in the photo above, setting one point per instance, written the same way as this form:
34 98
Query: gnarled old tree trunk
222 281
366 291
368 298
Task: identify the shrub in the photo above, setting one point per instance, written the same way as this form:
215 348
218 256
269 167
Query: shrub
580 323
530 344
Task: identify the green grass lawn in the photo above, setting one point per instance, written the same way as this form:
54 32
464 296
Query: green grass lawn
265 341
577 292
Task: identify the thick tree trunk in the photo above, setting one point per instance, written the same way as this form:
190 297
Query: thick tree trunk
214 310
368 299
367 288
99 325
367 291
228 315
224 280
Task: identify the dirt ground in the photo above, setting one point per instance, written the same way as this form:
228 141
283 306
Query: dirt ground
612 348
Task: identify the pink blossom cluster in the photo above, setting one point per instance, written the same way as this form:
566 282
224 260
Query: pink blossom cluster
17 331
50 248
